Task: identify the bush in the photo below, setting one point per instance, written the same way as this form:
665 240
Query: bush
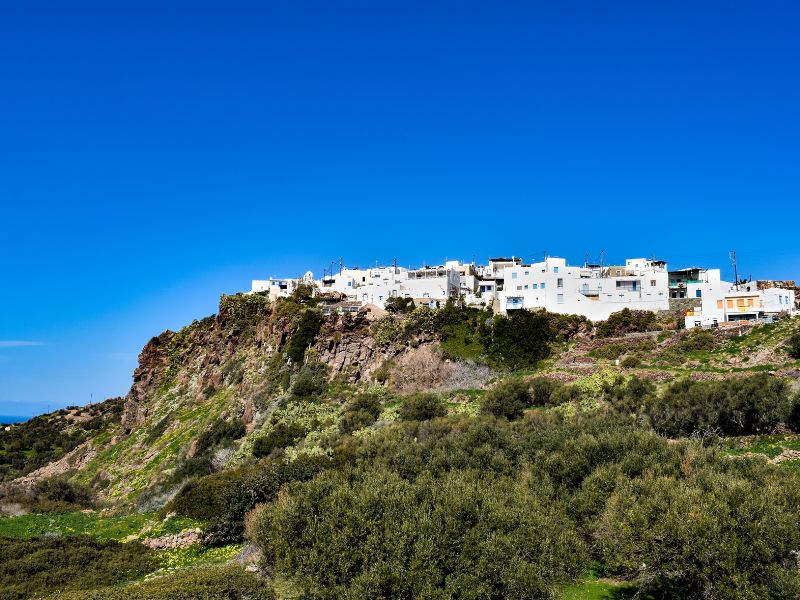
396 304
224 498
627 321
63 493
738 406
507 399
542 389
461 535
280 436
308 326
362 411
421 407
710 535
520 340
221 433
698 340
566 394
30 568
794 346
206 583
311 380
631 362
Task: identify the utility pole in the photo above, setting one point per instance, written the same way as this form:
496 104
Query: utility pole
735 269
341 265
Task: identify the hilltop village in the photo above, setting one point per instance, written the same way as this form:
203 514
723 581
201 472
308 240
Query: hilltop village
593 290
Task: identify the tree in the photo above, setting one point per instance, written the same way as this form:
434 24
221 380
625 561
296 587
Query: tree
520 340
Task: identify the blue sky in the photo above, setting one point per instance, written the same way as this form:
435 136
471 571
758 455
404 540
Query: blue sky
156 154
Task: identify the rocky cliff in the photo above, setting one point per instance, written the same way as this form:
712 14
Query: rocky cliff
235 367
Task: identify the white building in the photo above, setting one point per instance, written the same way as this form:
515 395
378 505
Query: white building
693 282
275 288
558 288
748 303
593 291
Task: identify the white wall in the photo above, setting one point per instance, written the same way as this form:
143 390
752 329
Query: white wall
559 288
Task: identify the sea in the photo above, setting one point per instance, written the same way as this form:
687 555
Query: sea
9 419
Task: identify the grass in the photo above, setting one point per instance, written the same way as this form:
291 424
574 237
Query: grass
104 527
599 589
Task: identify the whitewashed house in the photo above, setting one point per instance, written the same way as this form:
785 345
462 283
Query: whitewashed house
559 288
748 303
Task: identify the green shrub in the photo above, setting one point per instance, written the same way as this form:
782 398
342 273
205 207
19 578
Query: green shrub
396 304
542 389
631 362
308 326
421 407
520 340
698 340
311 380
206 583
609 351
280 436
360 412
38 566
224 498
794 346
460 535
221 433
709 535
61 491
507 399
566 394
627 321
736 406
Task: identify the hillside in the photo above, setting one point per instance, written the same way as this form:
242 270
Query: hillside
531 431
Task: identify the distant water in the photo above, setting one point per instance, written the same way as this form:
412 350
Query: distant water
8 419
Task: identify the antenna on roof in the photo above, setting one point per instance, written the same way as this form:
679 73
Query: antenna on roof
732 255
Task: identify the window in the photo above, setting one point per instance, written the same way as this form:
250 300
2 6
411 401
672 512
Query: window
698 294
541 285
527 272
749 302
555 269
513 276
349 284
526 287
533 286
519 287
380 297
560 298
729 303
780 300
560 283
652 283
719 304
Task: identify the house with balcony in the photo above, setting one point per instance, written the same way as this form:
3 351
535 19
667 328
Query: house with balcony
743 305
557 287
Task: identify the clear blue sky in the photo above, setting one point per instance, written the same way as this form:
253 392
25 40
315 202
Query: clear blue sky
156 154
